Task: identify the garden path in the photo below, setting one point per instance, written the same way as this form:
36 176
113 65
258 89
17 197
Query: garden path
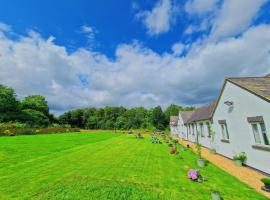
245 174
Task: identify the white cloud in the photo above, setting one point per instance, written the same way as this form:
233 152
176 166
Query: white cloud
234 17
87 29
178 48
160 19
137 75
90 33
4 27
200 6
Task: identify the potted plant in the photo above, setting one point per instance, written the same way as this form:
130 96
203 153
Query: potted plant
201 162
266 182
215 195
239 158
213 151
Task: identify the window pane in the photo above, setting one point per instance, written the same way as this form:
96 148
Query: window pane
256 134
264 134
208 129
201 130
227 134
223 131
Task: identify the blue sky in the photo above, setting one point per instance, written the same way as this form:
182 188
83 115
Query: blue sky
97 53
113 21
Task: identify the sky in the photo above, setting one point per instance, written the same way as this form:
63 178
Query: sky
80 53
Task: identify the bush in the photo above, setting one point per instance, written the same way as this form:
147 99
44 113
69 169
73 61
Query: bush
266 181
173 150
12 125
240 156
34 131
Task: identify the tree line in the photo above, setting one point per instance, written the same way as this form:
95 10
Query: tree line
33 111
120 118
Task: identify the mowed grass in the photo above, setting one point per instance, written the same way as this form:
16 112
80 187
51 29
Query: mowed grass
105 166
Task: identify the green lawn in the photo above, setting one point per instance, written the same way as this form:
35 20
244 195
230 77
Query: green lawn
105 166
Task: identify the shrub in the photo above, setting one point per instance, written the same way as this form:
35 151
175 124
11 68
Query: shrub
138 136
33 131
173 150
170 145
195 175
154 139
266 181
240 156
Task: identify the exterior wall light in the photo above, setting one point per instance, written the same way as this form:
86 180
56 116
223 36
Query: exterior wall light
228 103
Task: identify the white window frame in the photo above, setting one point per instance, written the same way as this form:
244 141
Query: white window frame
201 129
224 127
260 134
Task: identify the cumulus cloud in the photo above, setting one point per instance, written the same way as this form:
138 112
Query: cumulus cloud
235 17
200 6
160 19
137 75
90 33
4 27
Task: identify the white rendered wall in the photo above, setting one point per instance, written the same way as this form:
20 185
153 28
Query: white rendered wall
240 132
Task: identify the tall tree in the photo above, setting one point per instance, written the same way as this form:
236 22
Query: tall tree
36 102
8 101
172 110
158 118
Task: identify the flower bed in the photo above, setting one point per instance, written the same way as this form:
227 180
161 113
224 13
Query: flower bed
34 131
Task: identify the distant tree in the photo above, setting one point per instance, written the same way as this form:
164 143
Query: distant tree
158 118
91 122
64 118
87 113
8 101
76 118
35 118
36 102
120 122
172 110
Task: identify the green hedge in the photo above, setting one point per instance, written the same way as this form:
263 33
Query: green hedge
34 131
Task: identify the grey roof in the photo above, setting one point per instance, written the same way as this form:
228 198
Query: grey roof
202 113
174 120
186 115
259 86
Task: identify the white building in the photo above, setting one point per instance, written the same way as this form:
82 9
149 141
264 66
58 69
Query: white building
173 125
199 125
182 124
241 120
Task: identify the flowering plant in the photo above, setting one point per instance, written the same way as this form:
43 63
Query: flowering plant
194 174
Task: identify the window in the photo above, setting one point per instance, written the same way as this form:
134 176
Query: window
193 130
256 133
208 129
224 129
201 130
259 132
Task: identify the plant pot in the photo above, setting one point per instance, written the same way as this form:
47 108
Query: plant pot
213 151
201 162
266 187
215 196
238 163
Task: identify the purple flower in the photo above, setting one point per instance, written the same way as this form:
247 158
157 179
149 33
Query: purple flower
193 174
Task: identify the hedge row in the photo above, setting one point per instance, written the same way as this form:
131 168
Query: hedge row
34 131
